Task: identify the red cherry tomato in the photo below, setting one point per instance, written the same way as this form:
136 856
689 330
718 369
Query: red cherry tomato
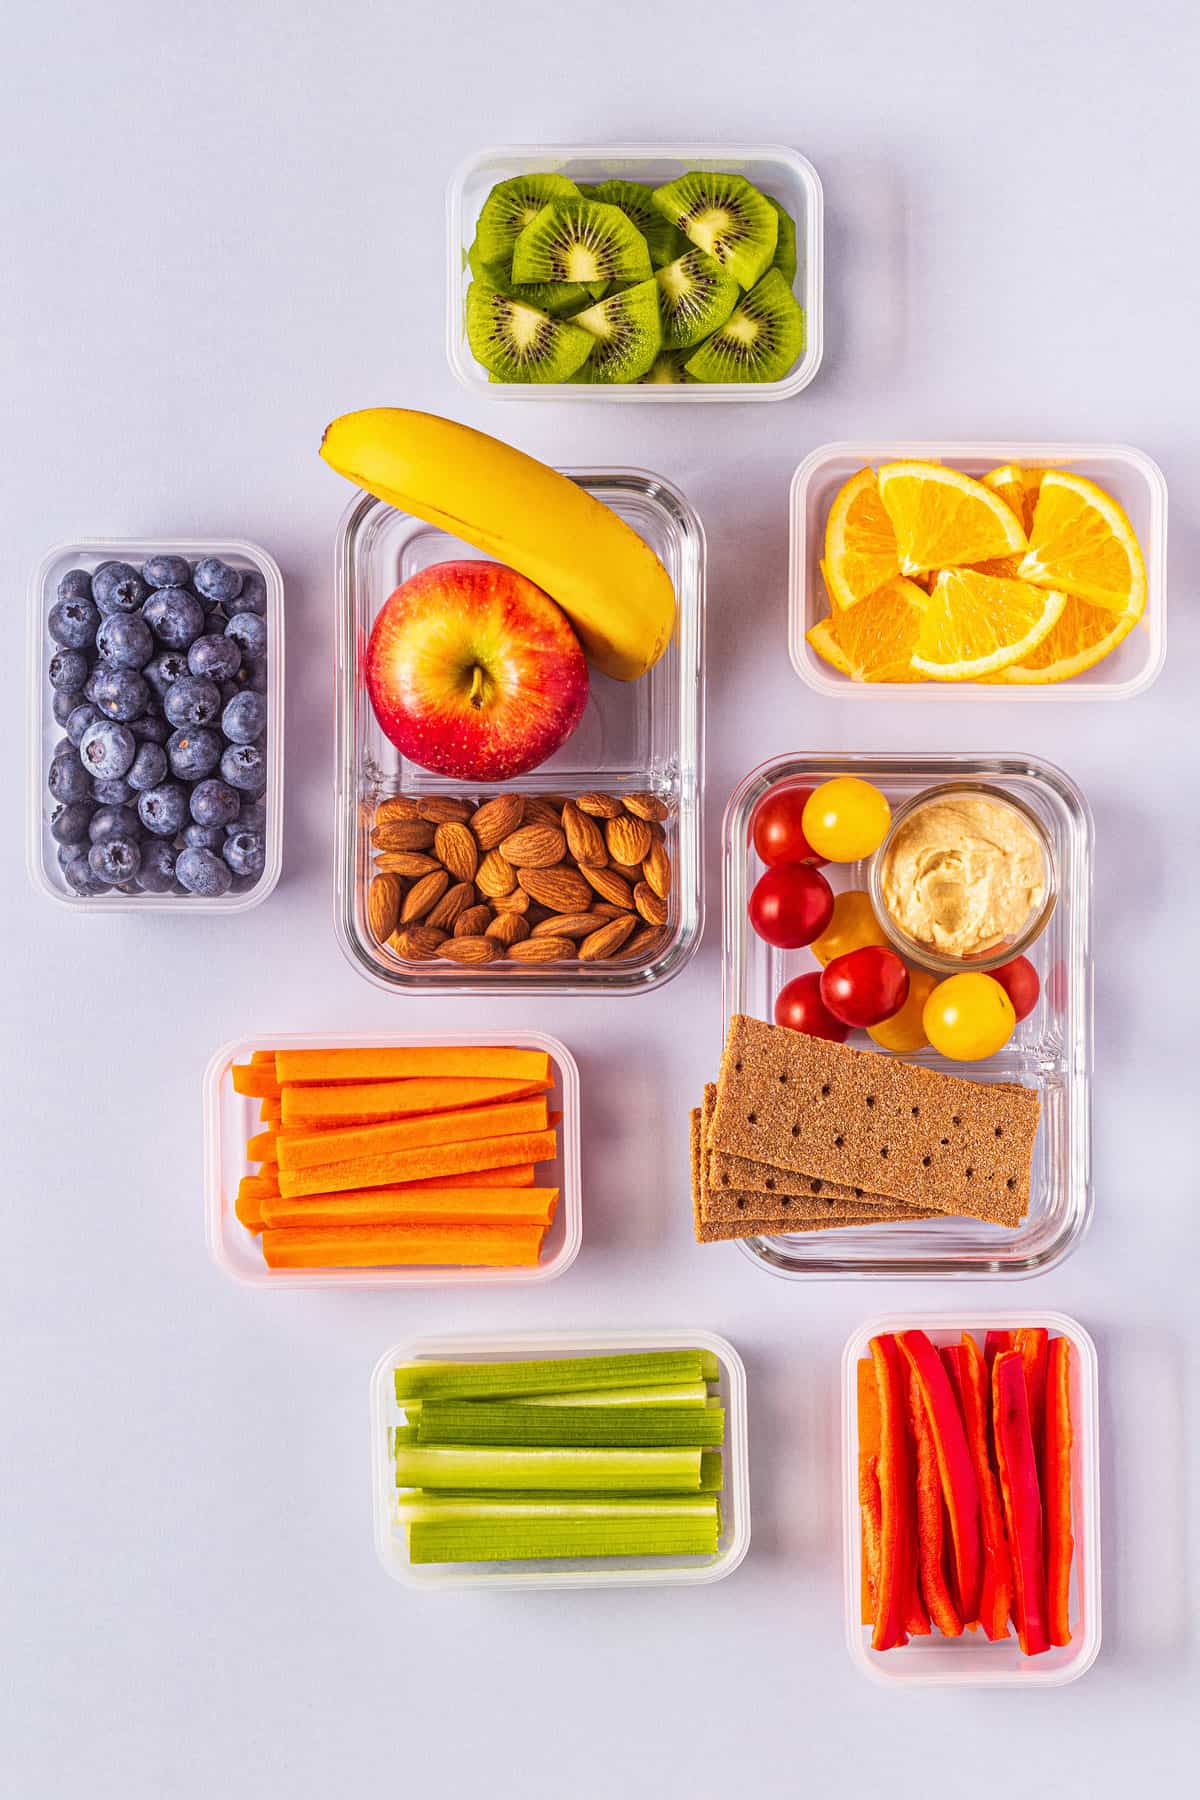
1019 979
791 905
778 832
865 986
799 1007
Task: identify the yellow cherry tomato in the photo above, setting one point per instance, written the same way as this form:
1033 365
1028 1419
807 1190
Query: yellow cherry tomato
845 819
852 926
905 1030
969 1017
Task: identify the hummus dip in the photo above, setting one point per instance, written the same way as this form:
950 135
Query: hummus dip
963 874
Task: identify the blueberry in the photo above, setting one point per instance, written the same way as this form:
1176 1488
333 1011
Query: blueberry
253 597
255 674
125 641
216 617
164 809
69 823
93 682
151 728
166 667
68 779
148 768
252 816
215 658
69 853
246 852
116 858
64 704
79 878
114 792
229 689
190 701
113 821
68 670
76 584
106 749
193 754
203 837
200 872
244 766
250 631
81 717
216 580
72 621
175 617
215 803
166 571
157 873
116 587
245 718
121 694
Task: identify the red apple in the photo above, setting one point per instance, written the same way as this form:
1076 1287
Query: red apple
474 672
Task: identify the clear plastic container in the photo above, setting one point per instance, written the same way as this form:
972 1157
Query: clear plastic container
1128 474
231 1118
44 732
971 1661
569 1572
783 173
1050 1050
645 735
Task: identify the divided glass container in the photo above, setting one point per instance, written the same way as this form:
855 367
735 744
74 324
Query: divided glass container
1129 475
638 736
971 1660
1050 1050
230 1119
44 731
780 172
565 1572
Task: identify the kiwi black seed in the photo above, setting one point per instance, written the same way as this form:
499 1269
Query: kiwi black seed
517 342
580 240
627 332
695 295
511 206
759 341
726 218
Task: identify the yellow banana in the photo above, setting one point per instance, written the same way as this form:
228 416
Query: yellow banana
610 584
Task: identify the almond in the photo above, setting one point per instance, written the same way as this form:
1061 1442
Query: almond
541 950
396 806
628 839
572 925
652 906
469 950
409 863
496 818
517 902
600 806
457 849
416 943
442 809
495 875
383 906
542 809
604 909
403 834
608 940
644 943
423 895
474 922
610 887
507 928
534 847
453 904
562 889
630 872
656 869
585 840
645 806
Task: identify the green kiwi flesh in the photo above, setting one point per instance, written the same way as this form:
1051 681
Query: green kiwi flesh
759 341
580 240
636 201
726 217
510 207
785 245
695 295
667 370
627 333
517 342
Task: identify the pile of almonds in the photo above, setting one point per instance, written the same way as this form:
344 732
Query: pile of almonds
523 878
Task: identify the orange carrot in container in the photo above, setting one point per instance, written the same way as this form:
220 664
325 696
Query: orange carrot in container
248 1207
305 1149
270 1111
369 1102
375 1246
520 1175
256 1080
416 1206
411 1062
868 1486
396 1166
261 1148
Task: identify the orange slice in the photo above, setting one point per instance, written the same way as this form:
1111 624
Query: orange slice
944 518
874 640
1006 567
1019 487
974 625
860 544
1082 543
823 639
1082 636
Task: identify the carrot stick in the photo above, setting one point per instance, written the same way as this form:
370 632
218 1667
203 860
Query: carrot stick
248 1207
262 1148
270 1111
368 1102
255 1080
373 1246
868 1486
305 1149
400 1063
401 1205
263 1056
519 1176
415 1165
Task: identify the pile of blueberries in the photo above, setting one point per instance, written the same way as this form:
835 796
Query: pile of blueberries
160 683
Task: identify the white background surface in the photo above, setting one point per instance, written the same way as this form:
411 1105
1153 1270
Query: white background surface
221 225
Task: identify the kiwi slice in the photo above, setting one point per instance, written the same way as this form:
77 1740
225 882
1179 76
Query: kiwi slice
517 342
636 201
580 240
759 341
785 244
510 207
667 369
695 296
726 217
627 331
558 298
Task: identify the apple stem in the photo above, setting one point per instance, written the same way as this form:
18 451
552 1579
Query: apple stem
477 685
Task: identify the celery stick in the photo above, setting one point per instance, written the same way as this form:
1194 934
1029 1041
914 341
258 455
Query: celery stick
576 1496
473 1422
415 1507
710 1367
403 1434
551 1375
621 1471
711 1472
493 1540
681 1393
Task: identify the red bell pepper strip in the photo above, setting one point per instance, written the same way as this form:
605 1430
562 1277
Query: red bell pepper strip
1033 1345
897 1590
1022 1500
931 1533
968 1376
994 1342
1056 1486
960 1489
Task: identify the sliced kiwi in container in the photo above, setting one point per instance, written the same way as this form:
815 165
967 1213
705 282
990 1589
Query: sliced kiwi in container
785 245
510 207
636 201
726 217
518 342
580 240
558 298
759 341
627 333
695 295
666 370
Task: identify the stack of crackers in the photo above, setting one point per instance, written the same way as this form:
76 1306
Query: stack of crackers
800 1134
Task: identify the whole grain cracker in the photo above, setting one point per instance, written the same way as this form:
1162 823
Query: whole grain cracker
725 1173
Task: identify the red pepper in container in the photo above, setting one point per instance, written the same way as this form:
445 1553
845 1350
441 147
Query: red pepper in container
931 1534
1022 1499
960 1489
993 1343
868 1486
1056 1480
1033 1344
897 1610
968 1374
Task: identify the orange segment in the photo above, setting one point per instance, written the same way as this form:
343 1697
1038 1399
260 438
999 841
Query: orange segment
824 642
874 640
1082 636
1082 543
1019 487
974 625
860 544
944 518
